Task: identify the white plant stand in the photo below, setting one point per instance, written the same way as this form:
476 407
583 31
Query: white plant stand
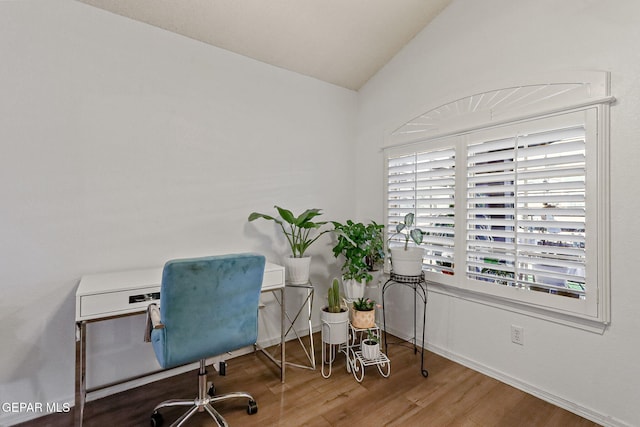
335 338
356 363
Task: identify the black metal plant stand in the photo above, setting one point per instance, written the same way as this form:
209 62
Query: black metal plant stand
419 286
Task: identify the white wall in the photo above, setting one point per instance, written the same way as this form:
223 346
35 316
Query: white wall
123 145
473 42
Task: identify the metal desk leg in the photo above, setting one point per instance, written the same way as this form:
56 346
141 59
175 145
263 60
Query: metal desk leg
308 301
283 315
310 294
81 363
282 337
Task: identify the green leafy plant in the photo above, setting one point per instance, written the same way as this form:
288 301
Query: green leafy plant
404 229
375 249
334 297
364 304
301 231
371 337
362 247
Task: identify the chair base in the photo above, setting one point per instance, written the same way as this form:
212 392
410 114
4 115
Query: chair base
202 403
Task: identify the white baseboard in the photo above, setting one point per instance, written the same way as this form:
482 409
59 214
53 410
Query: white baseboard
596 417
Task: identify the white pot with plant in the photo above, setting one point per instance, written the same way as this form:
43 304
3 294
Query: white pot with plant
370 346
355 243
407 260
334 317
363 313
300 232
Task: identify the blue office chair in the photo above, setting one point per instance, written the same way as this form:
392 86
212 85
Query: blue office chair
208 307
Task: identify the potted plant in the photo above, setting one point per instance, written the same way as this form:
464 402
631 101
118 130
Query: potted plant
362 248
407 260
375 249
363 314
301 231
334 317
370 346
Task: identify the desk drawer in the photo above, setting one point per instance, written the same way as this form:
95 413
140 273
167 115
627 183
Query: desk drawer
115 303
273 279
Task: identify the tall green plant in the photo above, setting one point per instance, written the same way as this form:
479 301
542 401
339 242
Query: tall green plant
362 247
299 230
375 249
334 297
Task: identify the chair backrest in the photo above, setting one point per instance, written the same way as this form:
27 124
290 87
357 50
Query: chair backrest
208 306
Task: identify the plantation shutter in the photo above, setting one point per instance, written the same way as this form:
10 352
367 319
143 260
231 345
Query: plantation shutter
423 183
526 211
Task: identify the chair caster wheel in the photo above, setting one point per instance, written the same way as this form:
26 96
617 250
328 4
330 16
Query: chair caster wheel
156 419
252 408
212 391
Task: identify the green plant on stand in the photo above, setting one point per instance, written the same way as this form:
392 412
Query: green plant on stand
301 232
363 315
334 325
364 304
353 244
334 297
370 346
297 229
405 260
404 228
375 249
371 337
362 248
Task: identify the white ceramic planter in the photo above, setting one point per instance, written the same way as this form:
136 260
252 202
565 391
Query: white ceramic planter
334 326
407 263
297 269
370 349
353 289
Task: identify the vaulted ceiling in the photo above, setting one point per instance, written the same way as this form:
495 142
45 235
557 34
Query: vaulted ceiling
343 42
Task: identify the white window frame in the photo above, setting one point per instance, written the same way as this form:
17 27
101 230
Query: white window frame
592 312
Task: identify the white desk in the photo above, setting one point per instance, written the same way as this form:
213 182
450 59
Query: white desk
111 295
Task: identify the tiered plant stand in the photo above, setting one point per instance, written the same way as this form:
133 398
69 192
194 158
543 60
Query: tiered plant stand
356 362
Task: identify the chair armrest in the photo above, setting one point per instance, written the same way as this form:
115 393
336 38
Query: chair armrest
154 316
153 321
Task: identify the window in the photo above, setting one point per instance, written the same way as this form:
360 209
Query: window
423 183
514 213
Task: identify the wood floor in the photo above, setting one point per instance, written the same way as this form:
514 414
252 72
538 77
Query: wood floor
452 395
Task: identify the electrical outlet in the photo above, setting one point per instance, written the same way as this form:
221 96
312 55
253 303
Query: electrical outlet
517 334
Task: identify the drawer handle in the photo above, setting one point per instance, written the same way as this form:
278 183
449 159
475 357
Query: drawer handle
152 296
